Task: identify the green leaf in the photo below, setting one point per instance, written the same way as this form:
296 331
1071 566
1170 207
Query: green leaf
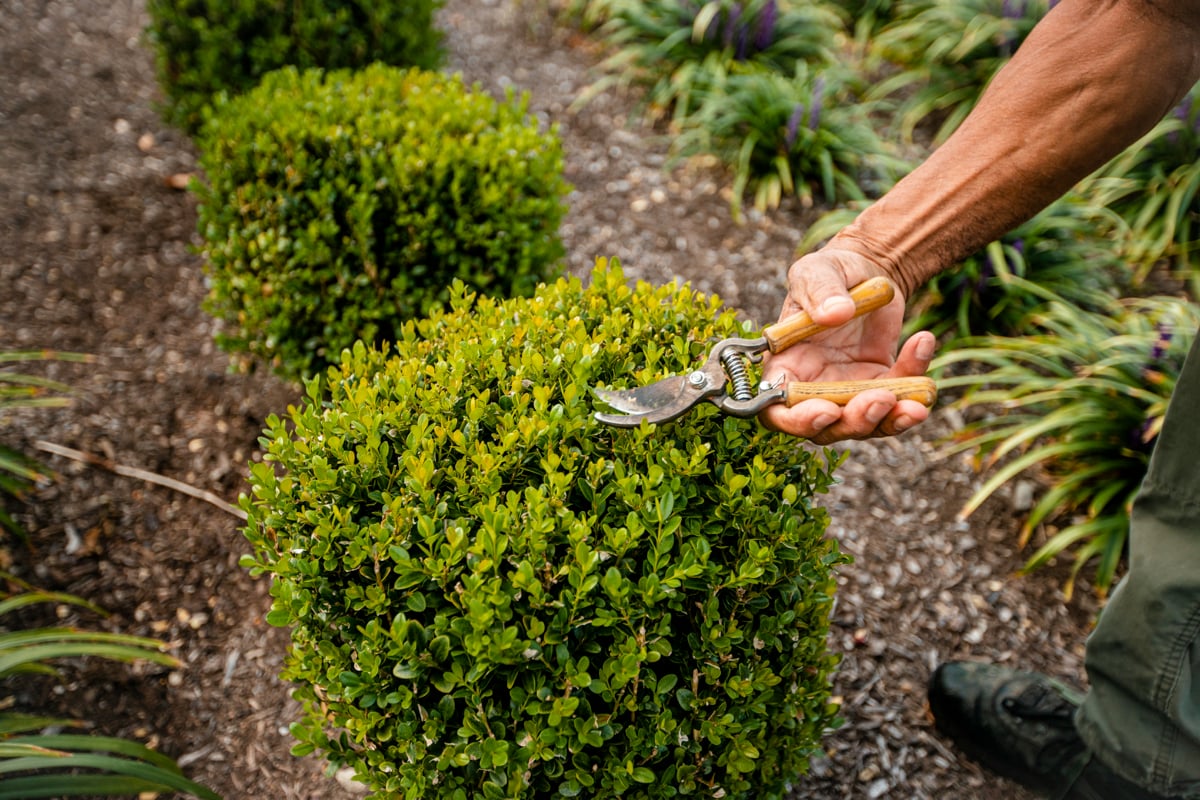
72 785
643 775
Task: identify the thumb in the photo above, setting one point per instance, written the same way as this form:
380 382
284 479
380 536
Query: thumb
819 284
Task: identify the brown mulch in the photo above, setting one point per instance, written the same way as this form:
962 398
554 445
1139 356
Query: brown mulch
96 256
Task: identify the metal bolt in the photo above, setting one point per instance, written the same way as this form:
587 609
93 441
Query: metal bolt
698 379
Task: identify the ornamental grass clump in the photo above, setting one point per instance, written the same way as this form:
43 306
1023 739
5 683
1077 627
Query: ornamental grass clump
805 135
36 758
1083 399
339 204
1154 186
947 51
18 471
205 47
493 595
1066 252
675 48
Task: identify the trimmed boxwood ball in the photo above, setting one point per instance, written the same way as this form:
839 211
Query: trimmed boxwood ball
339 204
493 595
205 47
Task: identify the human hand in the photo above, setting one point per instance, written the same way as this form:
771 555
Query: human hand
856 349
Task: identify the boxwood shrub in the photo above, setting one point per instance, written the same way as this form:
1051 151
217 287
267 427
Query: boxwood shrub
491 594
338 204
204 47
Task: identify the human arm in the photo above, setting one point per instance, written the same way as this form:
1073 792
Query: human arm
1090 78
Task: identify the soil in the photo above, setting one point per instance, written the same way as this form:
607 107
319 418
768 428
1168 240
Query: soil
96 256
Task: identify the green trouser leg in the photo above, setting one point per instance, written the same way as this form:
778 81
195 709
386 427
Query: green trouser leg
1141 716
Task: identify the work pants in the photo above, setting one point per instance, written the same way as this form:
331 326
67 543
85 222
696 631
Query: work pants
1141 716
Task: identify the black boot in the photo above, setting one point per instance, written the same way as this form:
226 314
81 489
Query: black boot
1022 725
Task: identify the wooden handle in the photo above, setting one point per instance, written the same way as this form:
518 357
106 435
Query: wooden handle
920 388
867 296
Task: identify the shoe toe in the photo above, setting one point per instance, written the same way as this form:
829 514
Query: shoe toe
956 690
1012 722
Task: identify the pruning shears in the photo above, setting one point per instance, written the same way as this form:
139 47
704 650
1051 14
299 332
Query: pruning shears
724 380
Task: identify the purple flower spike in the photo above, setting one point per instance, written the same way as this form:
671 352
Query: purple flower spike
731 23
764 32
818 95
793 125
1165 333
714 29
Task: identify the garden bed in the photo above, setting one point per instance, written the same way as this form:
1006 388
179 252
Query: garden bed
95 256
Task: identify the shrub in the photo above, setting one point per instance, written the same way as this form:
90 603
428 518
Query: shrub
493 595
804 135
35 762
1084 399
204 47
339 204
676 47
947 52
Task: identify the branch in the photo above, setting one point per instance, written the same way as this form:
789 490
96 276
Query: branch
141 474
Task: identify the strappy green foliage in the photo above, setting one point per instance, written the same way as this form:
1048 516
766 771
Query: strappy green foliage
1071 251
1080 400
865 18
947 52
803 134
492 594
18 390
676 48
1154 186
1068 252
36 764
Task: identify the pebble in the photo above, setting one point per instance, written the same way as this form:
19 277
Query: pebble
878 788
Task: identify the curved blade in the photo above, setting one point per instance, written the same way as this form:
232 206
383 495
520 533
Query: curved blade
661 401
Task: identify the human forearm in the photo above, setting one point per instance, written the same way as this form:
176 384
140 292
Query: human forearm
1092 77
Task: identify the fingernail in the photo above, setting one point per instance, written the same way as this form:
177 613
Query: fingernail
824 421
833 304
904 423
926 348
876 412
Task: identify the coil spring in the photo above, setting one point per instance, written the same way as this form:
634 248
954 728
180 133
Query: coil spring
736 368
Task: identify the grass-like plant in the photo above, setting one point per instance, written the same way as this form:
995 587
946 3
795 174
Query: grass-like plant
35 763
20 390
802 134
947 51
587 15
865 18
1154 186
1082 402
1070 251
675 48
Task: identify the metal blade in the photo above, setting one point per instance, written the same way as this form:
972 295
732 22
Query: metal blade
620 420
645 399
661 401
